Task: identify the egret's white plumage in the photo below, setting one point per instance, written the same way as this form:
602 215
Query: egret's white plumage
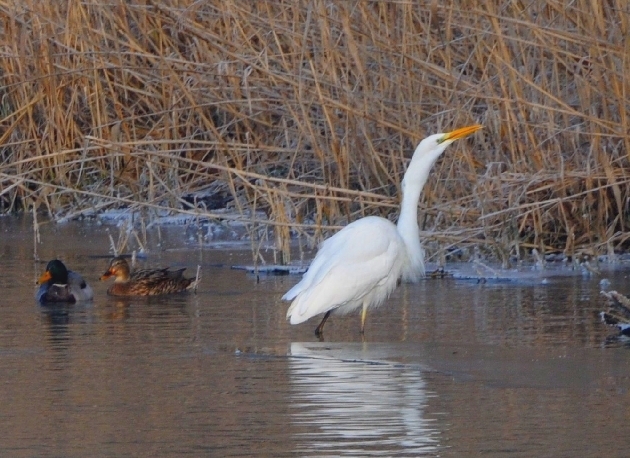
360 265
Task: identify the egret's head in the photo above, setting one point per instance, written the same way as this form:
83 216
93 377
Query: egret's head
435 145
430 149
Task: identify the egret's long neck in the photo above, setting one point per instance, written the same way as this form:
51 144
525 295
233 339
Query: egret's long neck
413 182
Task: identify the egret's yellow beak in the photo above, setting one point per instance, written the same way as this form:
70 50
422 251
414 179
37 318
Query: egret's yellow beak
461 133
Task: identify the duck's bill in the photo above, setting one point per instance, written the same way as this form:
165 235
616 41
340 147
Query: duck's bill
44 278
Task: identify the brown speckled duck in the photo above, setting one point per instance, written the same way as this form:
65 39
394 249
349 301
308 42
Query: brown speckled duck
145 282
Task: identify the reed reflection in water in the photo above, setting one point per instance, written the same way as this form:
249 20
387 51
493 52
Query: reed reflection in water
348 403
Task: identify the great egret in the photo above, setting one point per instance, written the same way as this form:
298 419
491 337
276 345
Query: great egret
361 264
58 284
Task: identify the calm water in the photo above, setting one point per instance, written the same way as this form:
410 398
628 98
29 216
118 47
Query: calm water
448 368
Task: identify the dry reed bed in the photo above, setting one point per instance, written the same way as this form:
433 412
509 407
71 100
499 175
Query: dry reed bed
308 109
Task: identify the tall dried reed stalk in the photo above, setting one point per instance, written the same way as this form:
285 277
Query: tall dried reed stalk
307 109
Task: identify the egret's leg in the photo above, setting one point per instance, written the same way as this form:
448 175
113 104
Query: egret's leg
363 315
319 330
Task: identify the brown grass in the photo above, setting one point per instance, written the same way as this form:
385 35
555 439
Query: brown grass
308 109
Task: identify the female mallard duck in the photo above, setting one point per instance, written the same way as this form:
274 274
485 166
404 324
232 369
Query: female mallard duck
58 284
146 282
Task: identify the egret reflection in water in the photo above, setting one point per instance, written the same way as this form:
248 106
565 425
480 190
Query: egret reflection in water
347 402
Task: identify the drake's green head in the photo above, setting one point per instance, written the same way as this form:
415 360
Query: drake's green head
56 273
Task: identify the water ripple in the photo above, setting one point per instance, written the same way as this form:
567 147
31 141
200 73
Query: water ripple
345 404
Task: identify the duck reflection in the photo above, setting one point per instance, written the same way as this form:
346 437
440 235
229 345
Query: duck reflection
349 402
57 318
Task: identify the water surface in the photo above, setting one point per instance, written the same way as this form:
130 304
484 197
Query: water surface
447 368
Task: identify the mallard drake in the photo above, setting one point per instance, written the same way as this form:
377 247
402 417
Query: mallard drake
145 282
58 284
618 313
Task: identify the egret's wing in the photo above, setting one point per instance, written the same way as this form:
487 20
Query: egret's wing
347 267
358 242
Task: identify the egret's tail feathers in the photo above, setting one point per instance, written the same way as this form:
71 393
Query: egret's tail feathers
296 294
299 311
292 314
290 295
